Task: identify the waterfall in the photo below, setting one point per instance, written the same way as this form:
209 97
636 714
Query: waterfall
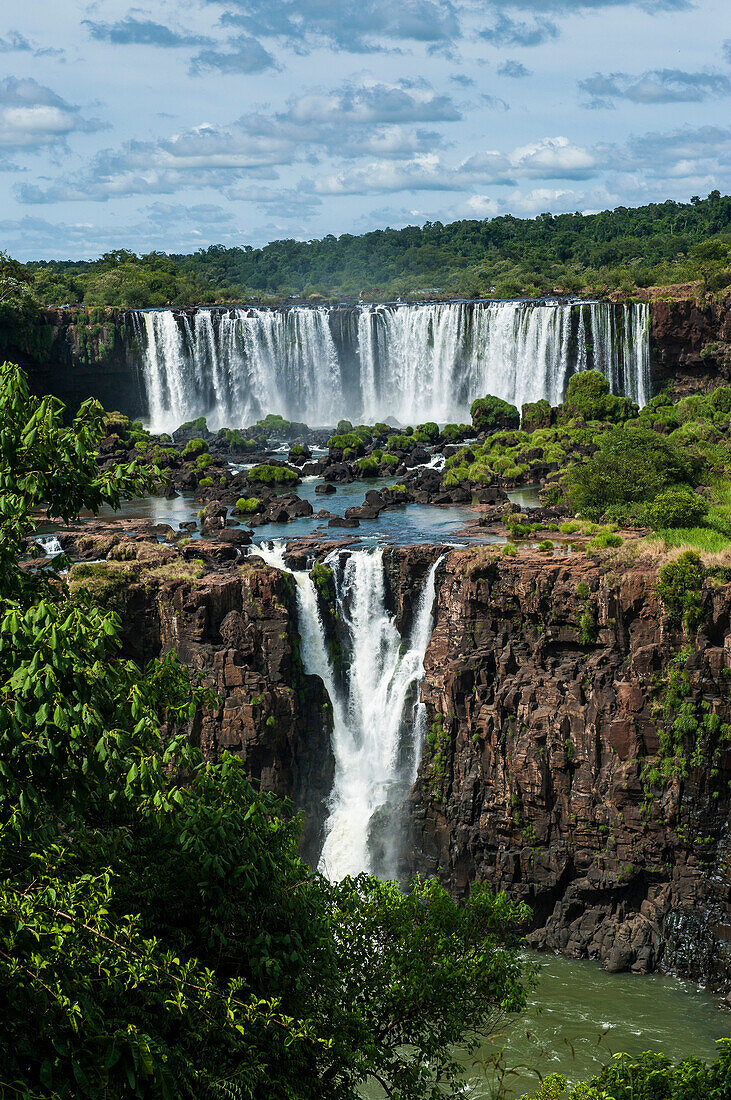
49 544
378 721
411 363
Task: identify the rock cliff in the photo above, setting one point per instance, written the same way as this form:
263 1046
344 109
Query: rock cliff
544 688
550 687
690 345
235 624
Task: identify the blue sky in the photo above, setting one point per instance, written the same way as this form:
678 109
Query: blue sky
181 123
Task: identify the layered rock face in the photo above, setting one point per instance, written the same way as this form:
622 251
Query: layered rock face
544 685
76 354
550 685
236 626
690 345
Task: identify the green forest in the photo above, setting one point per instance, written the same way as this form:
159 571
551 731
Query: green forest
615 251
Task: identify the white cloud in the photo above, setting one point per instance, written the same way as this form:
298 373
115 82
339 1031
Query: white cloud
32 116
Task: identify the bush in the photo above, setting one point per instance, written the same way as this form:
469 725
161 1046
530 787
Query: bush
633 463
272 475
194 447
648 1077
204 461
453 432
509 551
344 427
247 504
588 396
389 459
400 443
535 415
205 483
430 431
676 508
492 412
350 441
198 425
679 588
605 541
368 466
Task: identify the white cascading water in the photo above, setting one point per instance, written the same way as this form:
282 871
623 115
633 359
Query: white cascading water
411 363
50 545
378 723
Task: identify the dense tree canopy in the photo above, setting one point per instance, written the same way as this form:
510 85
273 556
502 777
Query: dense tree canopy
506 256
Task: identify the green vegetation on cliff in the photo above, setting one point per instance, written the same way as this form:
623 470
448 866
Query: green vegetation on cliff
619 249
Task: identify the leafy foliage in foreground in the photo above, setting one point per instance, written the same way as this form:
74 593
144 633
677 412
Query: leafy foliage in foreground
159 935
649 1077
660 243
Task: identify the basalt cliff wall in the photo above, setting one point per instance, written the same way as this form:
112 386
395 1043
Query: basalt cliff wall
690 345
545 687
548 700
75 354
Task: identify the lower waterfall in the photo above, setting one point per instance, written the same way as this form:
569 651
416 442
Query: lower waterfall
410 362
378 720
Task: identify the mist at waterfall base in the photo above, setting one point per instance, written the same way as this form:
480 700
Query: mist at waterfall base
408 363
378 719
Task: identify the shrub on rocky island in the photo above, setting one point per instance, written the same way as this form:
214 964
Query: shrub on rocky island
273 475
492 412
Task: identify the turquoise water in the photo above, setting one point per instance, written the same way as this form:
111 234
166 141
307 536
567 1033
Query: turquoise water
406 525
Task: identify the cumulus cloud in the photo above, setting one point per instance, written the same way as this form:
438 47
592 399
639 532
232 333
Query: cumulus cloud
369 118
655 86
550 158
131 31
476 207
703 151
507 31
355 104
243 55
356 26
514 69
207 156
32 116
553 158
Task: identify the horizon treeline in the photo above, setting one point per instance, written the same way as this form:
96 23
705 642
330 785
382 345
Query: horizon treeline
617 250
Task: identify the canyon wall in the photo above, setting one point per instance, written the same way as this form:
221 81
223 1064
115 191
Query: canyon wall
75 354
545 683
548 684
690 345
234 625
